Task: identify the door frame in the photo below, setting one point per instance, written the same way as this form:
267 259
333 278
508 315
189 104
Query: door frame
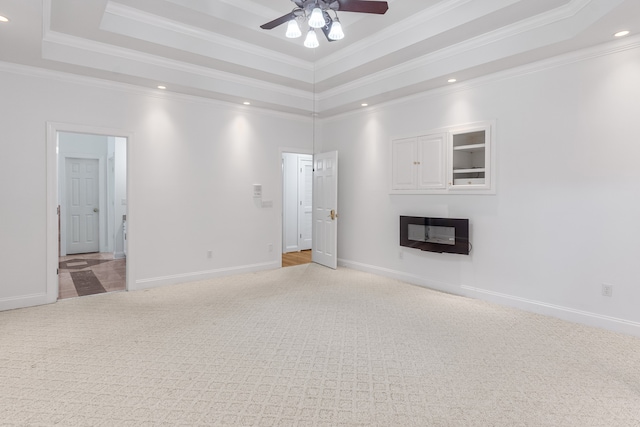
102 189
52 130
281 151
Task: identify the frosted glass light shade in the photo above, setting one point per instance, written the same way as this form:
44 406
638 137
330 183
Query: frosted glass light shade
293 30
336 31
316 20
312 39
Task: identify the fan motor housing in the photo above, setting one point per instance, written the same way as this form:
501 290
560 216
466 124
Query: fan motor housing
309 5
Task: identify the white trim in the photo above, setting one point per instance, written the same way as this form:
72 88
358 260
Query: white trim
602 50
52 129
298 69
566 313
87 53
174 279
561 312
418 27
400 275
94 82
23 301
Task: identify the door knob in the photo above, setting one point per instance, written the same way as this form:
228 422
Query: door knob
95 209
333 214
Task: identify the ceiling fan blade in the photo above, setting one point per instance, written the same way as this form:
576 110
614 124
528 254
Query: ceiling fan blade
279 21
363 6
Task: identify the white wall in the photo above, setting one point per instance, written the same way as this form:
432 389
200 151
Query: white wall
191 167
565 218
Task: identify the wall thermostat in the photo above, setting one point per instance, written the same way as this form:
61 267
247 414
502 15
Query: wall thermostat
257 190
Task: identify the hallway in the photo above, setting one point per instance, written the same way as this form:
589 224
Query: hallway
90 274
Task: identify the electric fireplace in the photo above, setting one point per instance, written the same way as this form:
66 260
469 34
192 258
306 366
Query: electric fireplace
449 235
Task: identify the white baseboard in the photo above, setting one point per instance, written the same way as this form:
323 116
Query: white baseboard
23 301
119 255
155 282
566 313
400 275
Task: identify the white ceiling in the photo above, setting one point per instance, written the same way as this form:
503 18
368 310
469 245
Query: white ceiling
216 49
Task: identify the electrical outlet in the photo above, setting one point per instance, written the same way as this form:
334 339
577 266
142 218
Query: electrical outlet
270 246
607 290
209 254
400 254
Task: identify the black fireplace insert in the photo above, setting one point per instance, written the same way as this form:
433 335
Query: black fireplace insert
449 235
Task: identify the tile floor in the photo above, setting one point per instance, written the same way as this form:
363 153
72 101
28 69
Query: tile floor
89 274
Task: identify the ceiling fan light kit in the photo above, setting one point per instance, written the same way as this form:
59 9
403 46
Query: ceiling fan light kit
316 20
293 30
336 30
311 41
316 15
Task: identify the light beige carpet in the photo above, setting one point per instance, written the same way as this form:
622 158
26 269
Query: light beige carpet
308 346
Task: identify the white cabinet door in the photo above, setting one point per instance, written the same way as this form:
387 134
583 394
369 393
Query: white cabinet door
470 165
431 161
404 154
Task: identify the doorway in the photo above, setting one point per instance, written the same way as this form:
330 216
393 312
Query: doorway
297 209
87 182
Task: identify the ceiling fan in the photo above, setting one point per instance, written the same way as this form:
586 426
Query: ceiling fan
316 14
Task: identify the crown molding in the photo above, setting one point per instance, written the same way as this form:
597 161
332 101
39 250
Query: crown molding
256 8
451 60
136 90
602 50
92 54
372 43
118 18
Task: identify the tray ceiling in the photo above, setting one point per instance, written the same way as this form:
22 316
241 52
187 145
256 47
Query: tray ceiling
216 49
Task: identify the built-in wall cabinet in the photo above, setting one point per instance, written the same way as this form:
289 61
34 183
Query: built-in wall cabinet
455 160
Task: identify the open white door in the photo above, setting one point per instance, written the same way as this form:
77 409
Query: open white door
325 207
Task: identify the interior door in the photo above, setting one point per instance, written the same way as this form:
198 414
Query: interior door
325 208
305 213
82 194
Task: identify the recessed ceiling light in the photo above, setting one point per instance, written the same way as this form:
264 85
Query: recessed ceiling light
621 33
452 80
162 87
364 104
246 103
4 19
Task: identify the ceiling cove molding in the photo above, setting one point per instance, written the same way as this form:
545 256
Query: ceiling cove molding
128 21
205 6
465 55
136 90
562 13
616 46
394 37
92 54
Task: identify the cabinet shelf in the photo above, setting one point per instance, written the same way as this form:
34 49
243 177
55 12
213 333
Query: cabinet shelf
472 170
469 147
